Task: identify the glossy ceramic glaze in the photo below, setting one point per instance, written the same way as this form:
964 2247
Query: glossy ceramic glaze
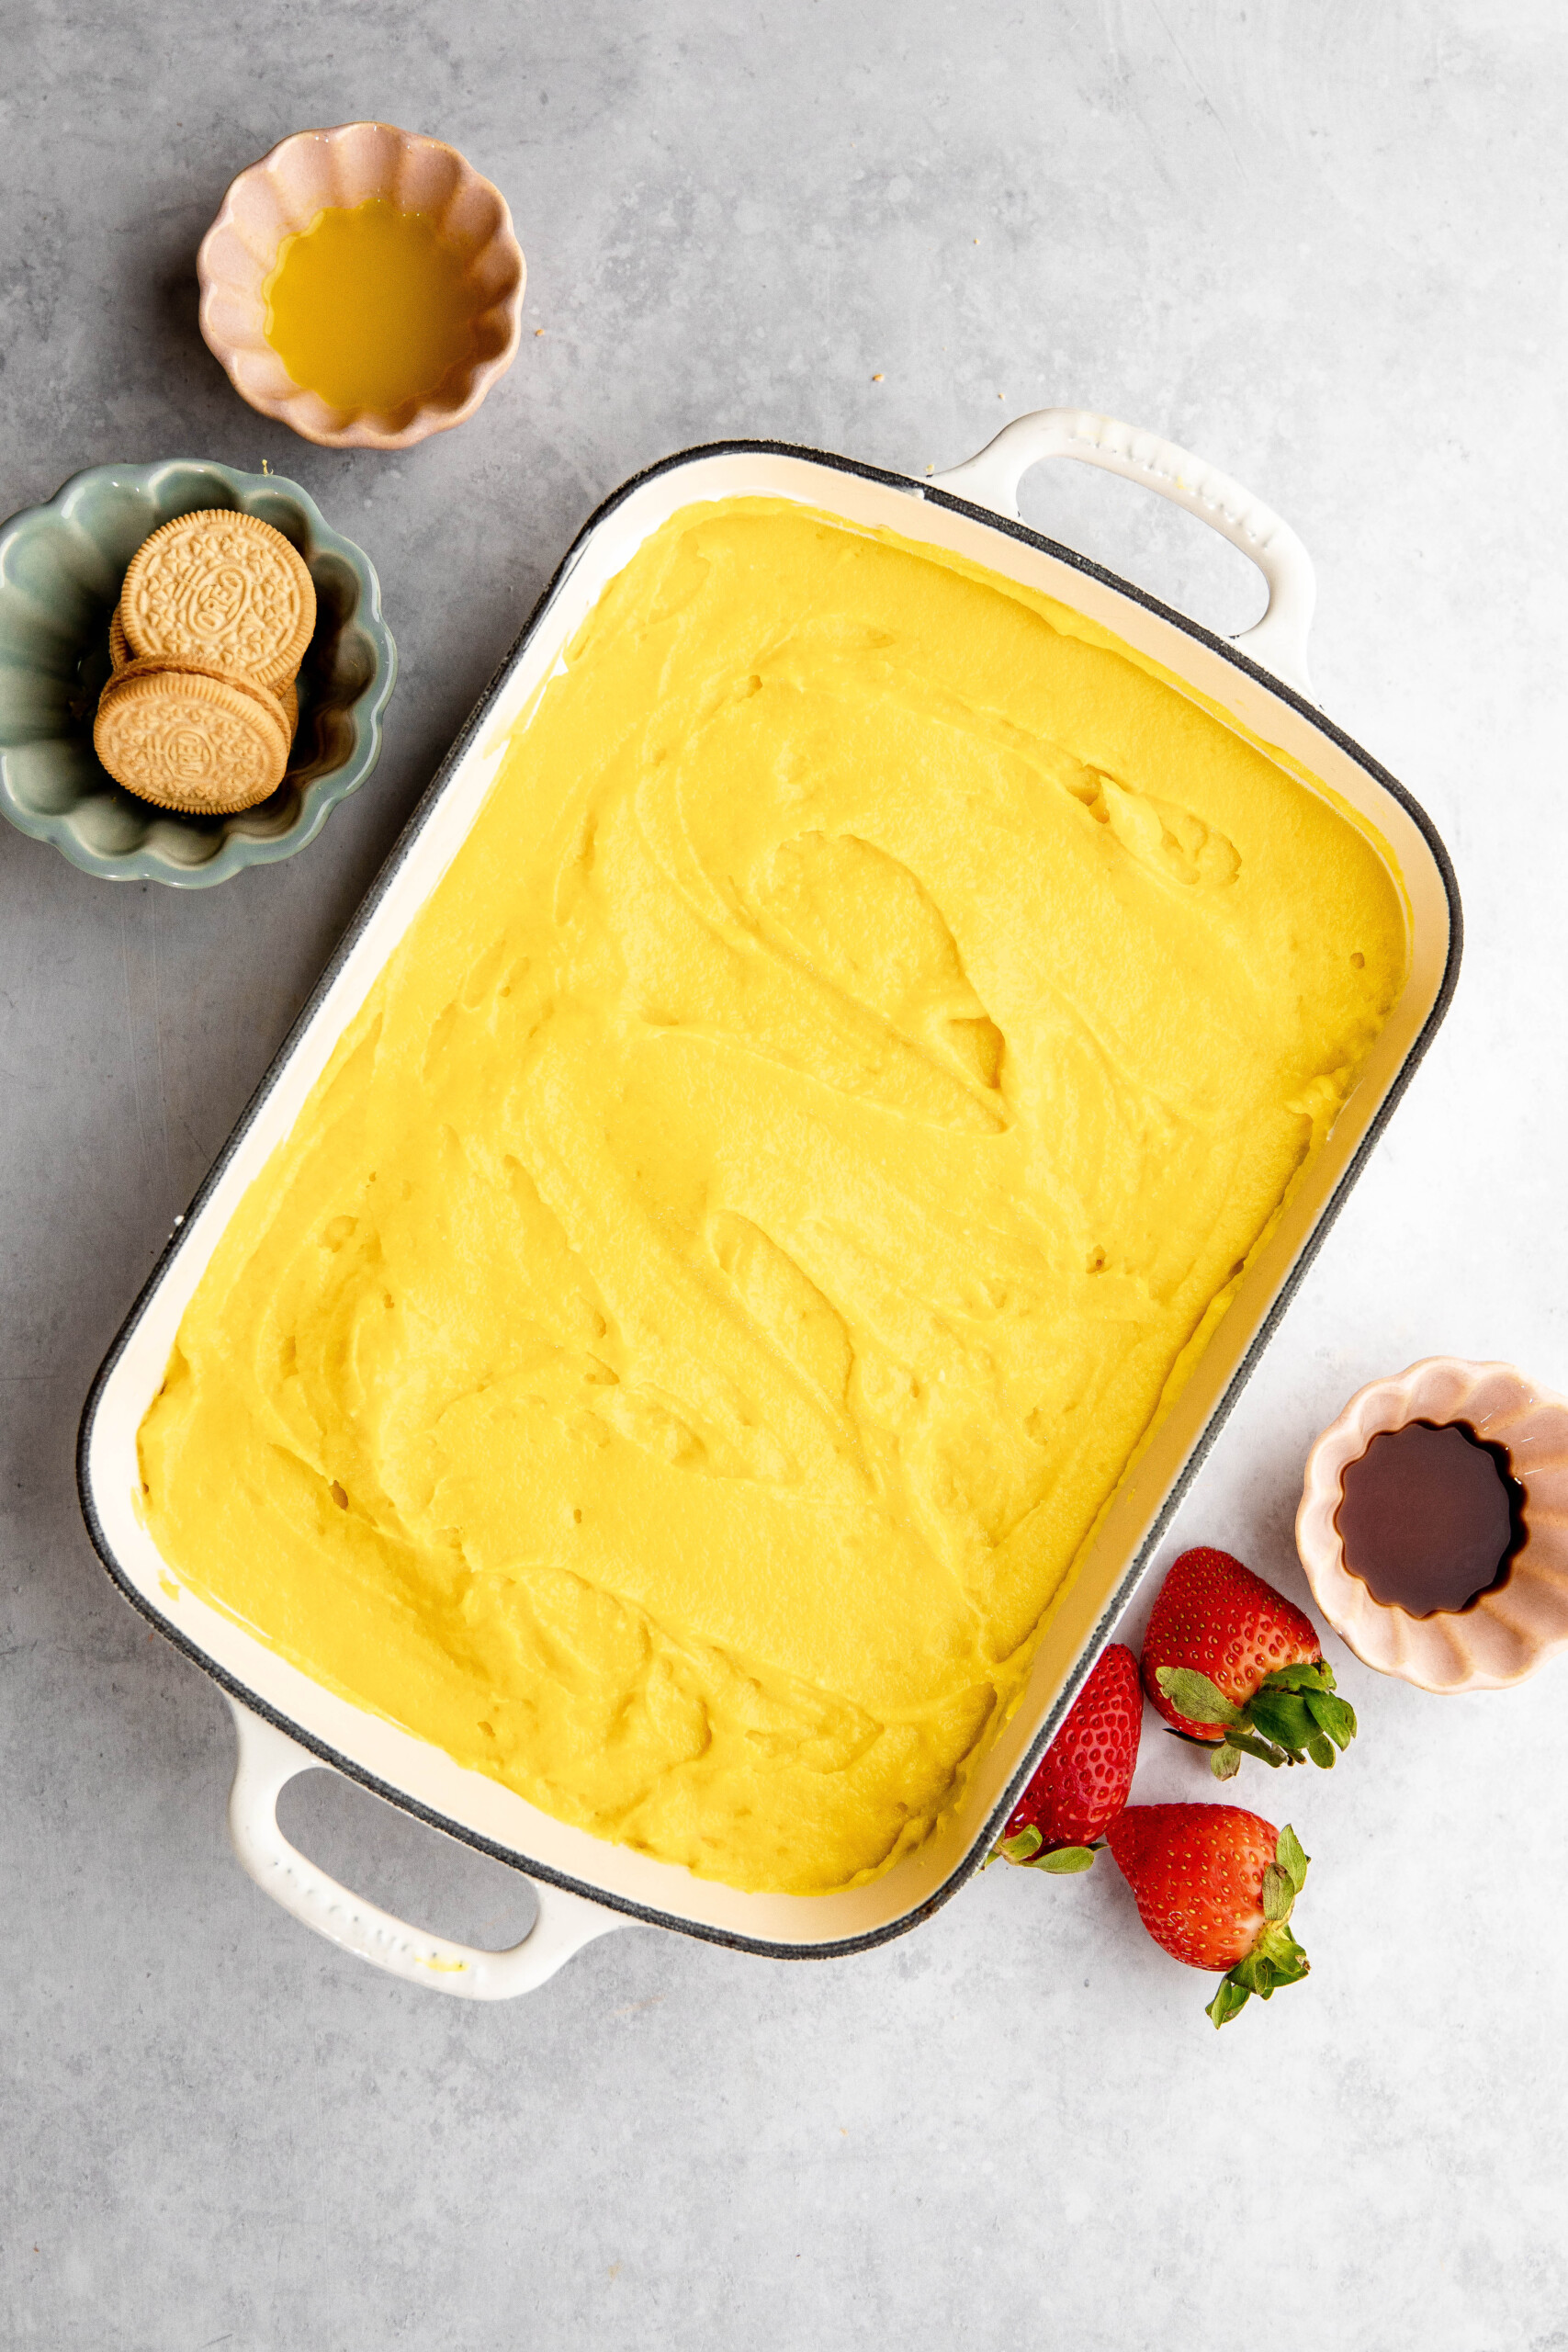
1509 1630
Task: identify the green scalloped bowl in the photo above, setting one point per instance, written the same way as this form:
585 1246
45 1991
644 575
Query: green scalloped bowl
61 568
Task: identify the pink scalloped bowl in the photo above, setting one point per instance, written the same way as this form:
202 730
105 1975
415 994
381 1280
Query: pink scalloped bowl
303 175
1505 1634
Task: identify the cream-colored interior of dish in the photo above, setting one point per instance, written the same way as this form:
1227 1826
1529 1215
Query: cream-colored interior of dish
770 1195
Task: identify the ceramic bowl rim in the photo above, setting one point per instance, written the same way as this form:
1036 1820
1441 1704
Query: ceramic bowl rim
1378 1631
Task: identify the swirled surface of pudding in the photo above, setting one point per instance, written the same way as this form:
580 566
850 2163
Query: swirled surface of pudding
785 1171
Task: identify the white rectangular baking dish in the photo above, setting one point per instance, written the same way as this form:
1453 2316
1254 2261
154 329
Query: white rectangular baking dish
287 1721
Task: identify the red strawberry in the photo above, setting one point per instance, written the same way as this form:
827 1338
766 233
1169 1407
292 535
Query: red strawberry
1229 1660
1085 1774
1214 1886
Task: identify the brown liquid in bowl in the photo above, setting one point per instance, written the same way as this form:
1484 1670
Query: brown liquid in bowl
1430 1517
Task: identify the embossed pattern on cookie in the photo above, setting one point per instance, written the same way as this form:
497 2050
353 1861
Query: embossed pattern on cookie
283 699
189 741
220 587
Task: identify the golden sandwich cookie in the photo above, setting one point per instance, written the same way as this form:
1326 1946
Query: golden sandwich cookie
189 739
219 587
283 699
287 695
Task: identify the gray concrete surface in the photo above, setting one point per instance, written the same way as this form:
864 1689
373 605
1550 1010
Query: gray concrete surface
1324 246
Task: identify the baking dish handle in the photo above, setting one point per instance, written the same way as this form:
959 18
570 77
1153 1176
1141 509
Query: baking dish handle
1279 641
268 1759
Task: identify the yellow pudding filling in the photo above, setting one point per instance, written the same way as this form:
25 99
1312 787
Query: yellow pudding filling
785 1171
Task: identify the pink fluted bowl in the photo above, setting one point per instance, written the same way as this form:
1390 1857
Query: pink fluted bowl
1506 1633
303 175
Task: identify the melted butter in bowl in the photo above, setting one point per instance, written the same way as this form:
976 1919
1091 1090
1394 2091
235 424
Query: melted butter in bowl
363 284
791 1163
370 308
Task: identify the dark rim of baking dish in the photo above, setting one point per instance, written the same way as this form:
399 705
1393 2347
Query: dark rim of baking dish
766 1948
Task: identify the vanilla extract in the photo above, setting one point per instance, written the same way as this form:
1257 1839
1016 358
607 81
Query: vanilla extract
1430 1517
